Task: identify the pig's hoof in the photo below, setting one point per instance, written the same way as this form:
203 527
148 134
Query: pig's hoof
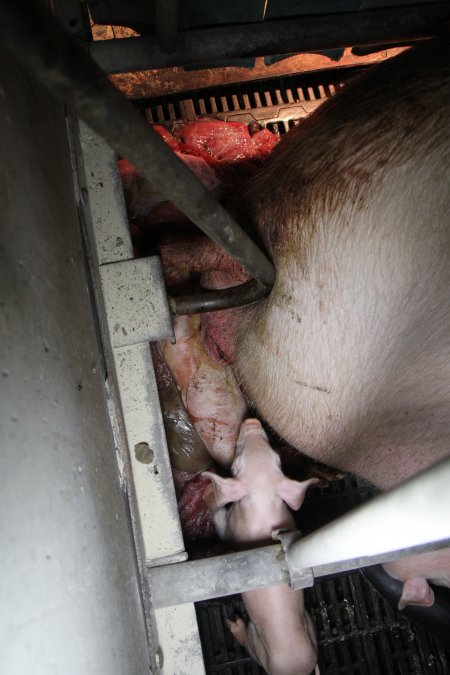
238 629
416 591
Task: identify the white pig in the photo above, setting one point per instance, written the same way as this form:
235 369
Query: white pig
348 359
280 635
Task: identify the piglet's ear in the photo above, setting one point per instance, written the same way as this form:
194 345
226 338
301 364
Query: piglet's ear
226 490
293 491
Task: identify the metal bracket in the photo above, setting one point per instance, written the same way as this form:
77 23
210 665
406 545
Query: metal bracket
136 304
297 578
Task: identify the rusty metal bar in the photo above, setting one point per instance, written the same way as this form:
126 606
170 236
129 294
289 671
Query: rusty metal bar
203 46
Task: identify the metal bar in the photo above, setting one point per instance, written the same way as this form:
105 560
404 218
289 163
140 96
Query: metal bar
122 292
166 20
212 301
150 488
43 47
411 518
222 575
308 33
135 301
197 580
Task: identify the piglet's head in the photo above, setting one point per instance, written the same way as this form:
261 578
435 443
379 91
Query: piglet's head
257 473
229 490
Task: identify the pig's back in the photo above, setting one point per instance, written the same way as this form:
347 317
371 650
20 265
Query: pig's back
349 359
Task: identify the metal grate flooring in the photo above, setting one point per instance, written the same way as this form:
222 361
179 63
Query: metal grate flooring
358 634
278 104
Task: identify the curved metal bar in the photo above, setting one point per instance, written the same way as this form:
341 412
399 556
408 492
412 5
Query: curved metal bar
212 301
66 70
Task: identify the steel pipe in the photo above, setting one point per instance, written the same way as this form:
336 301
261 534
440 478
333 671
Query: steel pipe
46 51
212 301
216 577
203 46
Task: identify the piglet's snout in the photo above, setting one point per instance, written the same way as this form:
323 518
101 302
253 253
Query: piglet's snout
250 428
250 425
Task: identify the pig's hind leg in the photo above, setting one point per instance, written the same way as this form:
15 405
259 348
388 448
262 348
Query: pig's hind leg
248 637
238 629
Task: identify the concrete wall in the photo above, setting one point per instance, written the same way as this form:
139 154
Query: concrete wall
69 598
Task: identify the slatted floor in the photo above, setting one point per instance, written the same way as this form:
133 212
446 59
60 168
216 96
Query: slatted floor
358 634
276 104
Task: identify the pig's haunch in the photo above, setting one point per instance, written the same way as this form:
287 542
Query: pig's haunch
349 358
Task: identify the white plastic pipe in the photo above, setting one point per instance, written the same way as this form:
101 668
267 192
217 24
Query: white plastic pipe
410 518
